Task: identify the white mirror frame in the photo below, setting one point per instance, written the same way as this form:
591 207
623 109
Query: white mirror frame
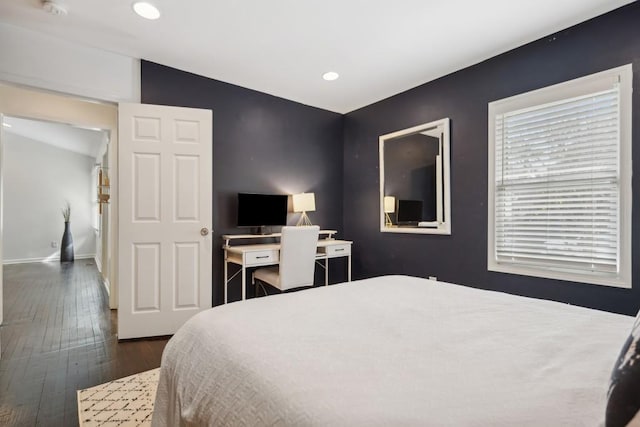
444 226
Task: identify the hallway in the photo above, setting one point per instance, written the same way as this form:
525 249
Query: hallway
58 336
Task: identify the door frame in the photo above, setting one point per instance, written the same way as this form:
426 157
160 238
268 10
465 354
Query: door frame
39 104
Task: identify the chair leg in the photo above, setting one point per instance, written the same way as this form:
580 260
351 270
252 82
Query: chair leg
261 285
255 285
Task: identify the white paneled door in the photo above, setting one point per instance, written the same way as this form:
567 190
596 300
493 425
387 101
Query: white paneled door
165 191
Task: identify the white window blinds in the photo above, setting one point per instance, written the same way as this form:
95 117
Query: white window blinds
557 193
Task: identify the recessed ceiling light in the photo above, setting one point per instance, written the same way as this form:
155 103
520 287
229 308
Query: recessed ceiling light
146 10
7 125
331 75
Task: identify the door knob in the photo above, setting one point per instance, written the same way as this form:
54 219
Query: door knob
204 231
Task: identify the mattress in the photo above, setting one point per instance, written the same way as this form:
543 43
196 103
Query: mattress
391 350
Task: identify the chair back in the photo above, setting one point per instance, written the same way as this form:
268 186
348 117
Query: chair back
298 246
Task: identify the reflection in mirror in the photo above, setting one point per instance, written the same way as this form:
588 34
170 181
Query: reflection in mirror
414 180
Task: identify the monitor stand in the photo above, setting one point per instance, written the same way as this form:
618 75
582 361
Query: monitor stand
263 230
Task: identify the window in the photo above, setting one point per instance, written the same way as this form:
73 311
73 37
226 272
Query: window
560 181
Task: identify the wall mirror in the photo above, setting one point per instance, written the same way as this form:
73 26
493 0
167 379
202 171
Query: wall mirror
415 180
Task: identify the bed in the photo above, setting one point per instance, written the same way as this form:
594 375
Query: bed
391 350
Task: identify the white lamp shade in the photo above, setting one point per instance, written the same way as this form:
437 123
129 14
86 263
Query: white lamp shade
304 202
389 204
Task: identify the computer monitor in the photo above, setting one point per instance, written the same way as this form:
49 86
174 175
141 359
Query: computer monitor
409 211
261 210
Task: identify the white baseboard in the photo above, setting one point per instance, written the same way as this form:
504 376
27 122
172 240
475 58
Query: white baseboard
44 259
98 263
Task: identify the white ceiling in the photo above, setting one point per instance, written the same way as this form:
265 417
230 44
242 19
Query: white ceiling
88 142
282 47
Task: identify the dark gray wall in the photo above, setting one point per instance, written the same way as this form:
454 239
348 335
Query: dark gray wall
605 42
261 144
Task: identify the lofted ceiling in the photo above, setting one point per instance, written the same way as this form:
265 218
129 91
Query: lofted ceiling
282 47
88 142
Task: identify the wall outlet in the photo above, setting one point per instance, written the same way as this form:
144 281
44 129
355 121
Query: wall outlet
54 244
433 278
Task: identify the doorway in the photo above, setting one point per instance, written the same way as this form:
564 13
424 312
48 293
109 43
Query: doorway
18 102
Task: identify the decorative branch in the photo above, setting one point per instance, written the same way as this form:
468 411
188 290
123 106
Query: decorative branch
66 212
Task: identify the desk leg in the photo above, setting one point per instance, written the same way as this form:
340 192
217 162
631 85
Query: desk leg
326 271
244 283
226 280
349 268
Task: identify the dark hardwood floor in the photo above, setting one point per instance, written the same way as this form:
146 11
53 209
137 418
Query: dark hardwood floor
59 336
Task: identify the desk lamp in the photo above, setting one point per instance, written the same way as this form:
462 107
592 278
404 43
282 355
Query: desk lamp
389 207
304 202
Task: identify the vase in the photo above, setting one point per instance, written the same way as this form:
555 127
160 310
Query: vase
66 248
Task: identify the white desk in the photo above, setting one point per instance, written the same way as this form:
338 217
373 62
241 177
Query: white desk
262 254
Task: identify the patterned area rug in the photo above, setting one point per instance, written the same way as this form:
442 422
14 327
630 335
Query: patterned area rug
124 402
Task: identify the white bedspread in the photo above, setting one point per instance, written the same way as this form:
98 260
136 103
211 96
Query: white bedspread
393 351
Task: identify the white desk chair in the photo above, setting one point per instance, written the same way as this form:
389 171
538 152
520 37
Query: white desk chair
297 259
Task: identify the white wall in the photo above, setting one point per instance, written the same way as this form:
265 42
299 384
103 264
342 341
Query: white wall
37 180
1 231
39 60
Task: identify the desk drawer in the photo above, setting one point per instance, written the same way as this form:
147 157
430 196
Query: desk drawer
262 257
338 250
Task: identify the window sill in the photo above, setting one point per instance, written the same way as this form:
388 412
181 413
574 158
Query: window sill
618 281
